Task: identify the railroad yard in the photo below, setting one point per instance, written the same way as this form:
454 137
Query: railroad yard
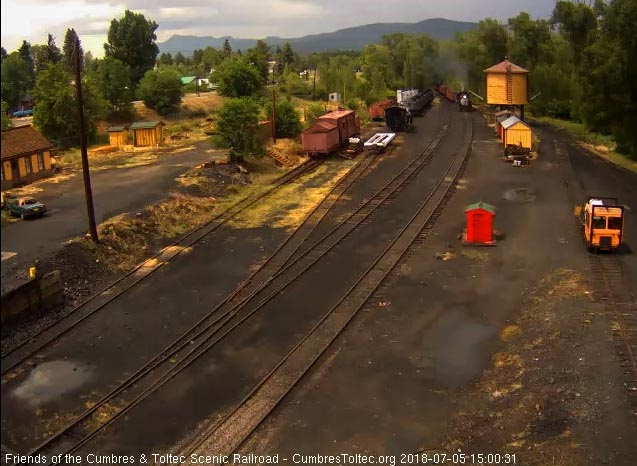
340 312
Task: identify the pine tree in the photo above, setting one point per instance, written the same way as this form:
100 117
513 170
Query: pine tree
69 47
226 51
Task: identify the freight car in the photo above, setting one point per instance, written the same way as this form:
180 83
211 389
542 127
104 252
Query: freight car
377 110
330 132
464 101
398 118
447 92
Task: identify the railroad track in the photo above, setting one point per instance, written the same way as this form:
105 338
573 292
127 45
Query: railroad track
219 323
226 436
611 286
28 347
188 348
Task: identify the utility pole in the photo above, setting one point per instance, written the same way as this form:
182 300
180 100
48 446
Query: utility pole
273 117
88 193
314 87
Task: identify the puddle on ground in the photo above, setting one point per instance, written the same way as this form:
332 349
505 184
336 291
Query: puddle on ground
52 379
458 350
519 195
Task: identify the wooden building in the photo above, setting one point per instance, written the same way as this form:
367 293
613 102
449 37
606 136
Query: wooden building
26 156
515 132
148 133
118 136
507 84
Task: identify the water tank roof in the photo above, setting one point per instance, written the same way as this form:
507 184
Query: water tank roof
503 67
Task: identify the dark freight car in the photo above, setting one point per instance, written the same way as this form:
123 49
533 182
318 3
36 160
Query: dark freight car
398 118
418 103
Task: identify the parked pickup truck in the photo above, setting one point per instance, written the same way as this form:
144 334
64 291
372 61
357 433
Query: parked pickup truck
25 207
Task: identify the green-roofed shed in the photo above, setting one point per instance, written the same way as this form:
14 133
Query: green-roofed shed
480 223
147 133
187 79
118 135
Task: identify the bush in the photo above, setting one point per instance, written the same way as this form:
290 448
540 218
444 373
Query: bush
237 126
288 120
161 90
313 112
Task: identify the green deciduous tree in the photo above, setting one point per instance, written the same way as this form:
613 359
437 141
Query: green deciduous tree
165 59
528 44
161 90
210 58
235 77
6 121
608 72
131 40
577 22
288 120
15 79
480 48
258 56
237 127
56 111
112 77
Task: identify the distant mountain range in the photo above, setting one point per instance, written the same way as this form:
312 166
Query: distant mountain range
355 38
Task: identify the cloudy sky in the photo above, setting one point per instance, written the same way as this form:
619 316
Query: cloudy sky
33 19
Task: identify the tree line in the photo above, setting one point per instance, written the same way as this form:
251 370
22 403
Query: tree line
581 60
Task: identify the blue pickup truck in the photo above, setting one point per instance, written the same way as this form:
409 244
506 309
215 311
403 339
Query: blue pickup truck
23 113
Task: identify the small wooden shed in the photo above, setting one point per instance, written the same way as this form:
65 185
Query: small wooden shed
499 118
118 135
148 133
515 132
480 223
507 84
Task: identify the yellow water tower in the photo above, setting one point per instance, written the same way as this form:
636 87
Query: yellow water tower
507 84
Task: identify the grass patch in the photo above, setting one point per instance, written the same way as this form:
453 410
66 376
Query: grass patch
290 205
8 218
125 240
601 145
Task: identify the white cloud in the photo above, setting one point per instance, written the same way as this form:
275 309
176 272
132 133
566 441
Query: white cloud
33 19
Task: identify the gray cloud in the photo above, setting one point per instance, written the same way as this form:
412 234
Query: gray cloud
260 18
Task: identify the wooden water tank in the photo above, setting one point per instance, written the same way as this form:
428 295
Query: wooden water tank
507 84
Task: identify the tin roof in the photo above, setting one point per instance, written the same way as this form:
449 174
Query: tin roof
324 126
336 114
116 129
22 140
511 121
480 205
503 67
146 124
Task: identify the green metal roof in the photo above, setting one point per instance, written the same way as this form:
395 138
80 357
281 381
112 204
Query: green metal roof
146 124
480 205
187 79
114 129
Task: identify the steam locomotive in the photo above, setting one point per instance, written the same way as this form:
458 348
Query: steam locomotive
464 101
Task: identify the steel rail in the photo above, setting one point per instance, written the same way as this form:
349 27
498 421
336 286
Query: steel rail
187 342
